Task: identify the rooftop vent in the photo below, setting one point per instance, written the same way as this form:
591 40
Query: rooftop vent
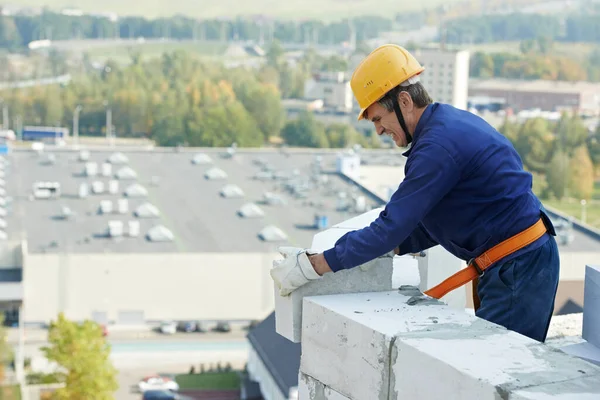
50 159
136 190
106 169
2 191
215 173
201 158
122 206
2 174
91 169
115 228
272 233
2 182
113 186
232 191
97 187
251 210
3 235
83 190
146 210
134 228
126 173
2 224
118 158
273 199
66 212
3 212
160 234
84 155
106 207
2 202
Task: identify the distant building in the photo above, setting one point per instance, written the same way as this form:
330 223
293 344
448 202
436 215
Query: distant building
446 75
545 95
333 88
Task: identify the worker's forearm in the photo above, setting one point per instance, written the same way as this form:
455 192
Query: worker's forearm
319 263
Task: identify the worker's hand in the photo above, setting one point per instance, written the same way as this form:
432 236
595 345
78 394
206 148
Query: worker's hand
369 264
294 271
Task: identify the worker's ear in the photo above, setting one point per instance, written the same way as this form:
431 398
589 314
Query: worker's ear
405 101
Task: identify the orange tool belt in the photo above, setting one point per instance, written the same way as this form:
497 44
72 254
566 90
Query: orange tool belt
477 266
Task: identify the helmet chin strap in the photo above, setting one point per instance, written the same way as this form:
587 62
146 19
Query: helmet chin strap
400 117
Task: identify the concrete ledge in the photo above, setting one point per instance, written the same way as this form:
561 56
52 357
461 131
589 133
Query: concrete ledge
392 345
310 388
288 309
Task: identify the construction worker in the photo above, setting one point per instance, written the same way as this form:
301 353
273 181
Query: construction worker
464 189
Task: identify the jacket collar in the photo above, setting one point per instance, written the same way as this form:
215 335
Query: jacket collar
429 110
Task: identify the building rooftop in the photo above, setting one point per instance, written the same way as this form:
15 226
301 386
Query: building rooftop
190 205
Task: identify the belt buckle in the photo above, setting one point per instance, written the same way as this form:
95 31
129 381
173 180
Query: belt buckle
472 262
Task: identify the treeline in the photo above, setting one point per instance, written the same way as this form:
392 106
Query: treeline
177 100
563 155
516 27
16 32
537 60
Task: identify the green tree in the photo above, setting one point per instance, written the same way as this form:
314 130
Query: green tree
570 133
557 174
593 144
534 144
581 183
83 353
344 135
305 131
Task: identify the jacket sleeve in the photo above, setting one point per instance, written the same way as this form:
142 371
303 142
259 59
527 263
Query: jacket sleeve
431 172
418 240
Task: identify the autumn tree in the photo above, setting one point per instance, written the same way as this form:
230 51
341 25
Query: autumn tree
581 182
557 175
82 352
305 131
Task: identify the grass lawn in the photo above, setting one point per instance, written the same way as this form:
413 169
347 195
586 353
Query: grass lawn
573 208
10 392
209 380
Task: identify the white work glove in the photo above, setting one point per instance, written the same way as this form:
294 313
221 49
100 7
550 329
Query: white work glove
293 271
369 264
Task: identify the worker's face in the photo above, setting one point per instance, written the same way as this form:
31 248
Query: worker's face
386 122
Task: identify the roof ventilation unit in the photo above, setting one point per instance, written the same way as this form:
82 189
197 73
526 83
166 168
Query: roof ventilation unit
113 186
232 191
83 190
2 183
136 190
3 212
146 210
3 235
118 158
3 223
66 212
133 228
2 192
215 173
272 233
201 159
160 234
115 228
50 159
106 169
273 199
91 169
126 173
2 202
84 155
46 190
122 206
106 207
97 187
251 210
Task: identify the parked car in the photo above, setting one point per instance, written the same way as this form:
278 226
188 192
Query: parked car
168 327
223 327
157 383
201 327
159 395
187 326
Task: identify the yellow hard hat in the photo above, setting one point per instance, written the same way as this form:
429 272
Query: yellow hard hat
382 70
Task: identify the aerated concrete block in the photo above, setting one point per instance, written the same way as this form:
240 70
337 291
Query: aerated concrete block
395 345
587 388
311 389
591 306
435 266
288 309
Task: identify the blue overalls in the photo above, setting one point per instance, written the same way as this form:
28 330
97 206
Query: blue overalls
465 189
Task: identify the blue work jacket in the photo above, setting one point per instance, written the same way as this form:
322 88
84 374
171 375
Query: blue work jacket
464 188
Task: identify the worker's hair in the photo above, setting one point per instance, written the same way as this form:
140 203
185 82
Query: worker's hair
417 93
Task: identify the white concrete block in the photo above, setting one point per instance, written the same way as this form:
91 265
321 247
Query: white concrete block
437 265
591 306
311 389
386 346
288 309
360 221
326 239
585 388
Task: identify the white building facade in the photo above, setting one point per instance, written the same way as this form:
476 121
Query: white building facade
333 88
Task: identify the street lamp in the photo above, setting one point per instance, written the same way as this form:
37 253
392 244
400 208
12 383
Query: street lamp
76 124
